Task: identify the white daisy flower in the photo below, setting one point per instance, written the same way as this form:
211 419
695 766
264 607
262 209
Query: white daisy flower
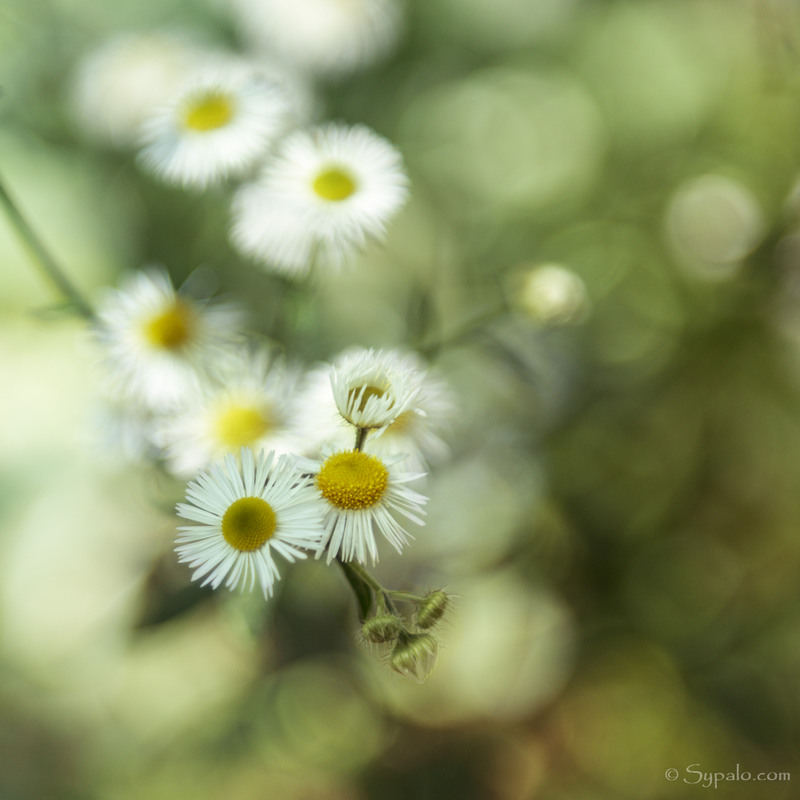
326 36
246 514
296 90
220 125
157 342
372 388
417 433
117 86
325 194
362 493
247 404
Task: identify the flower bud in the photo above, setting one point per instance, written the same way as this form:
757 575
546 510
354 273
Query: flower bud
432 609
415 655
382 628
549 294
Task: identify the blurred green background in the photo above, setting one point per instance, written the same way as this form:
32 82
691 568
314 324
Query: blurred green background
620 518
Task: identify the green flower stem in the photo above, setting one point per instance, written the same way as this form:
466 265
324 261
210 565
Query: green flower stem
361 589
365 576
41 255
361 437
407 596
364 586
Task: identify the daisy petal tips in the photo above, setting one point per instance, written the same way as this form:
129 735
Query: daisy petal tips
246 514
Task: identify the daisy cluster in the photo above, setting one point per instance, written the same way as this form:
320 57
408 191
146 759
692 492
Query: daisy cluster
281 459
309 193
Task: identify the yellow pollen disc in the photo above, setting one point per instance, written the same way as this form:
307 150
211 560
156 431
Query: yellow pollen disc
353 480
248 524
334 184
208 111
238 426
172 328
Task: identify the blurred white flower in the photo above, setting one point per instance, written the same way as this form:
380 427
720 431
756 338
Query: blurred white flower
416 432
245 513
331 37
361 493
328 191
246 404
219 125
118 85
318 418
157 342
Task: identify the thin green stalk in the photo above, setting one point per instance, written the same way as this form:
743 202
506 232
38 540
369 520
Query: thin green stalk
361 437
407 596
383 596
42 256
359 580
365 576
361 589
463 330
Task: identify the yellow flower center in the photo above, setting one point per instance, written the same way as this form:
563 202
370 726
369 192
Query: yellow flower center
238 425
208 111
353 480
248 524
334 184
171 328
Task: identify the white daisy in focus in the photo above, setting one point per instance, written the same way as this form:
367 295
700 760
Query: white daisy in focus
246 513
418 432
372 388
117 86
362 493
325 194
247 404
332 37
219 125
156 342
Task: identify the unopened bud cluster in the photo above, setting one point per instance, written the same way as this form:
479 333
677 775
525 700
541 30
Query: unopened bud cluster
414 649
